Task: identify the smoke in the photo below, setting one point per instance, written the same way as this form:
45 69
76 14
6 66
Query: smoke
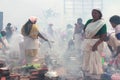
14 54
61 57
58 56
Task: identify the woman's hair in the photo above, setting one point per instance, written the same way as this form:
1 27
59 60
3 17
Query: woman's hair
115 19
98 12
8 27
3 33
79 20
27 27
9 24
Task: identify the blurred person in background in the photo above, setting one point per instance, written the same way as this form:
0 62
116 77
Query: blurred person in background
9 31
78 34
4 43
50 30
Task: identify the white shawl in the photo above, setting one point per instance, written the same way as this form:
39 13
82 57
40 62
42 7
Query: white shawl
93 27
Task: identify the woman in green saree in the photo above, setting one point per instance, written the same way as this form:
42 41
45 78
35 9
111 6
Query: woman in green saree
95 32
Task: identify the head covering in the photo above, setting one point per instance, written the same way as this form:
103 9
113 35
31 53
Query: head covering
33 19
99 11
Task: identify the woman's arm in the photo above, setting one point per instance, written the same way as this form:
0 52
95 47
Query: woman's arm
41 36
102 33
102 37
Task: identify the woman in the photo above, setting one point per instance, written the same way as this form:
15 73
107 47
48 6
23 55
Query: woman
9 31
95 32
78 34
31 42
115 22
3 41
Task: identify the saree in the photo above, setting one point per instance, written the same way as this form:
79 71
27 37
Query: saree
78 41
92 59
31 44
117 32
113 41
78 36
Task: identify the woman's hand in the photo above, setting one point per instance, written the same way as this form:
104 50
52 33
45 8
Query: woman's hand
94 48
45 39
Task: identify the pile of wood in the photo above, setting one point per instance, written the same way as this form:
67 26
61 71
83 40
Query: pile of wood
38 74
4 73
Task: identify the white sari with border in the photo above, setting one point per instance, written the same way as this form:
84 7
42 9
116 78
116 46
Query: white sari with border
92 60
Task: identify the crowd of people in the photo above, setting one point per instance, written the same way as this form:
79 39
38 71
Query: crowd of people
88 40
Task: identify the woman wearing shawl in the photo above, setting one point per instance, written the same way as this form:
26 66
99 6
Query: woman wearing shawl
78 34
115 22
95 32
31 33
